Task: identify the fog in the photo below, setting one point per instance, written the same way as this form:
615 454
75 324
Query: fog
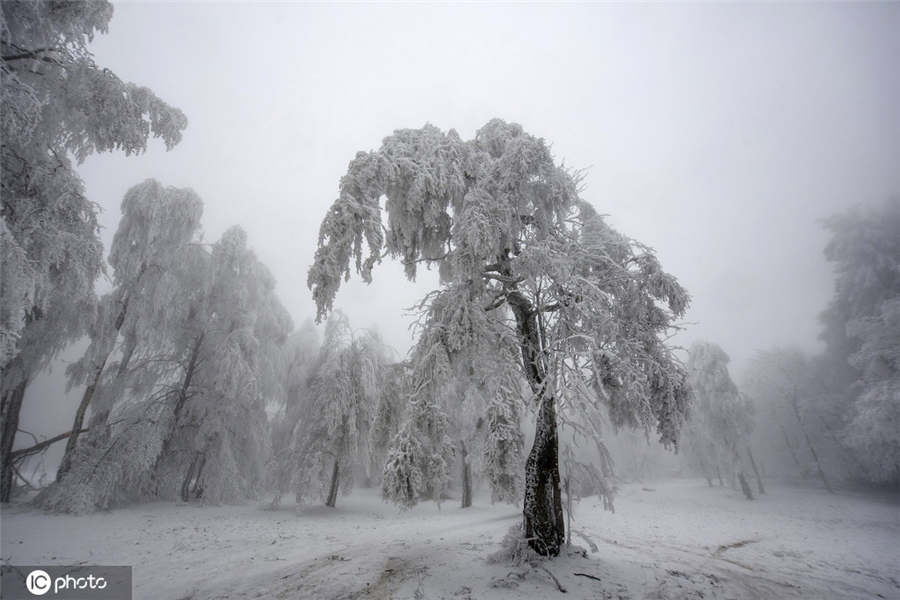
720 135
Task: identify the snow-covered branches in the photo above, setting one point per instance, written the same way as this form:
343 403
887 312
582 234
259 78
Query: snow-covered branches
531 276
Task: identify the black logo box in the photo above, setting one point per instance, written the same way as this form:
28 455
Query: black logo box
117 579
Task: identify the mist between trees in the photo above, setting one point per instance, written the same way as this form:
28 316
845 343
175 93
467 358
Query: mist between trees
542 353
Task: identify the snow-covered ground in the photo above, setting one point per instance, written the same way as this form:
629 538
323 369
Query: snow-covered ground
676 539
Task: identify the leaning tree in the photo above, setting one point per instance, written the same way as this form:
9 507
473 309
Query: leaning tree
56 105
532 280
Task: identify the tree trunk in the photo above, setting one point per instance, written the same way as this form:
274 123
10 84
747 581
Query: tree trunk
787 442
10 407
466 478
544 525
745 487
708 480
179 404
568 490
719 475
818 464
188 477
333 489
809 443
759 482
78 424
197 489
543 511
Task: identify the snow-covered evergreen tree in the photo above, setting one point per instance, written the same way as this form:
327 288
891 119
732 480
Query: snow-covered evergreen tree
57 105
515 245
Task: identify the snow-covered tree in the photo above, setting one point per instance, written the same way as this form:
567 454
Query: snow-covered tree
786 388
156 225
333 433
219 440
873 434
532 277
861 338
390 413
721 417
57 105
191 421
300 352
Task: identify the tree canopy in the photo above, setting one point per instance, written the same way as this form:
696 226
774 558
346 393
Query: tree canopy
533 281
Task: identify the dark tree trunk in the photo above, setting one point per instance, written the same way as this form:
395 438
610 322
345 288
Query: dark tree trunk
179 404
759 482
333 489
545 528
197 489
745 487
809 444
66 462
88 395
10 407
466 478
188 477
708 480
787 442
719 475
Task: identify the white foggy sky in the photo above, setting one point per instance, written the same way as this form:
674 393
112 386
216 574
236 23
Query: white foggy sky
717 134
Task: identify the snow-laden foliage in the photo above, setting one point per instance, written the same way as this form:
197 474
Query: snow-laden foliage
188 418
861 337
874 431
299 356
583 310
721 417
56 105
332 435
390 413
156 227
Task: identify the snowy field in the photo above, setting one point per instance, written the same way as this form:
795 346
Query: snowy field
677 539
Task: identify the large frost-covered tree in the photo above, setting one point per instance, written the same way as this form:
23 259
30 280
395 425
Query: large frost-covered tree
532 278
57 105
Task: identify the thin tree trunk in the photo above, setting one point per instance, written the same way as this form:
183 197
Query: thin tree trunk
787 442
809 443
719 475
197 489
10 407
333 489
759 482
77 425
568 490
182 398
466 477
545 528
708 480
188 477
745 487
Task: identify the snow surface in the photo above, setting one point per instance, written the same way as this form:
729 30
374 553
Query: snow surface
675 539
